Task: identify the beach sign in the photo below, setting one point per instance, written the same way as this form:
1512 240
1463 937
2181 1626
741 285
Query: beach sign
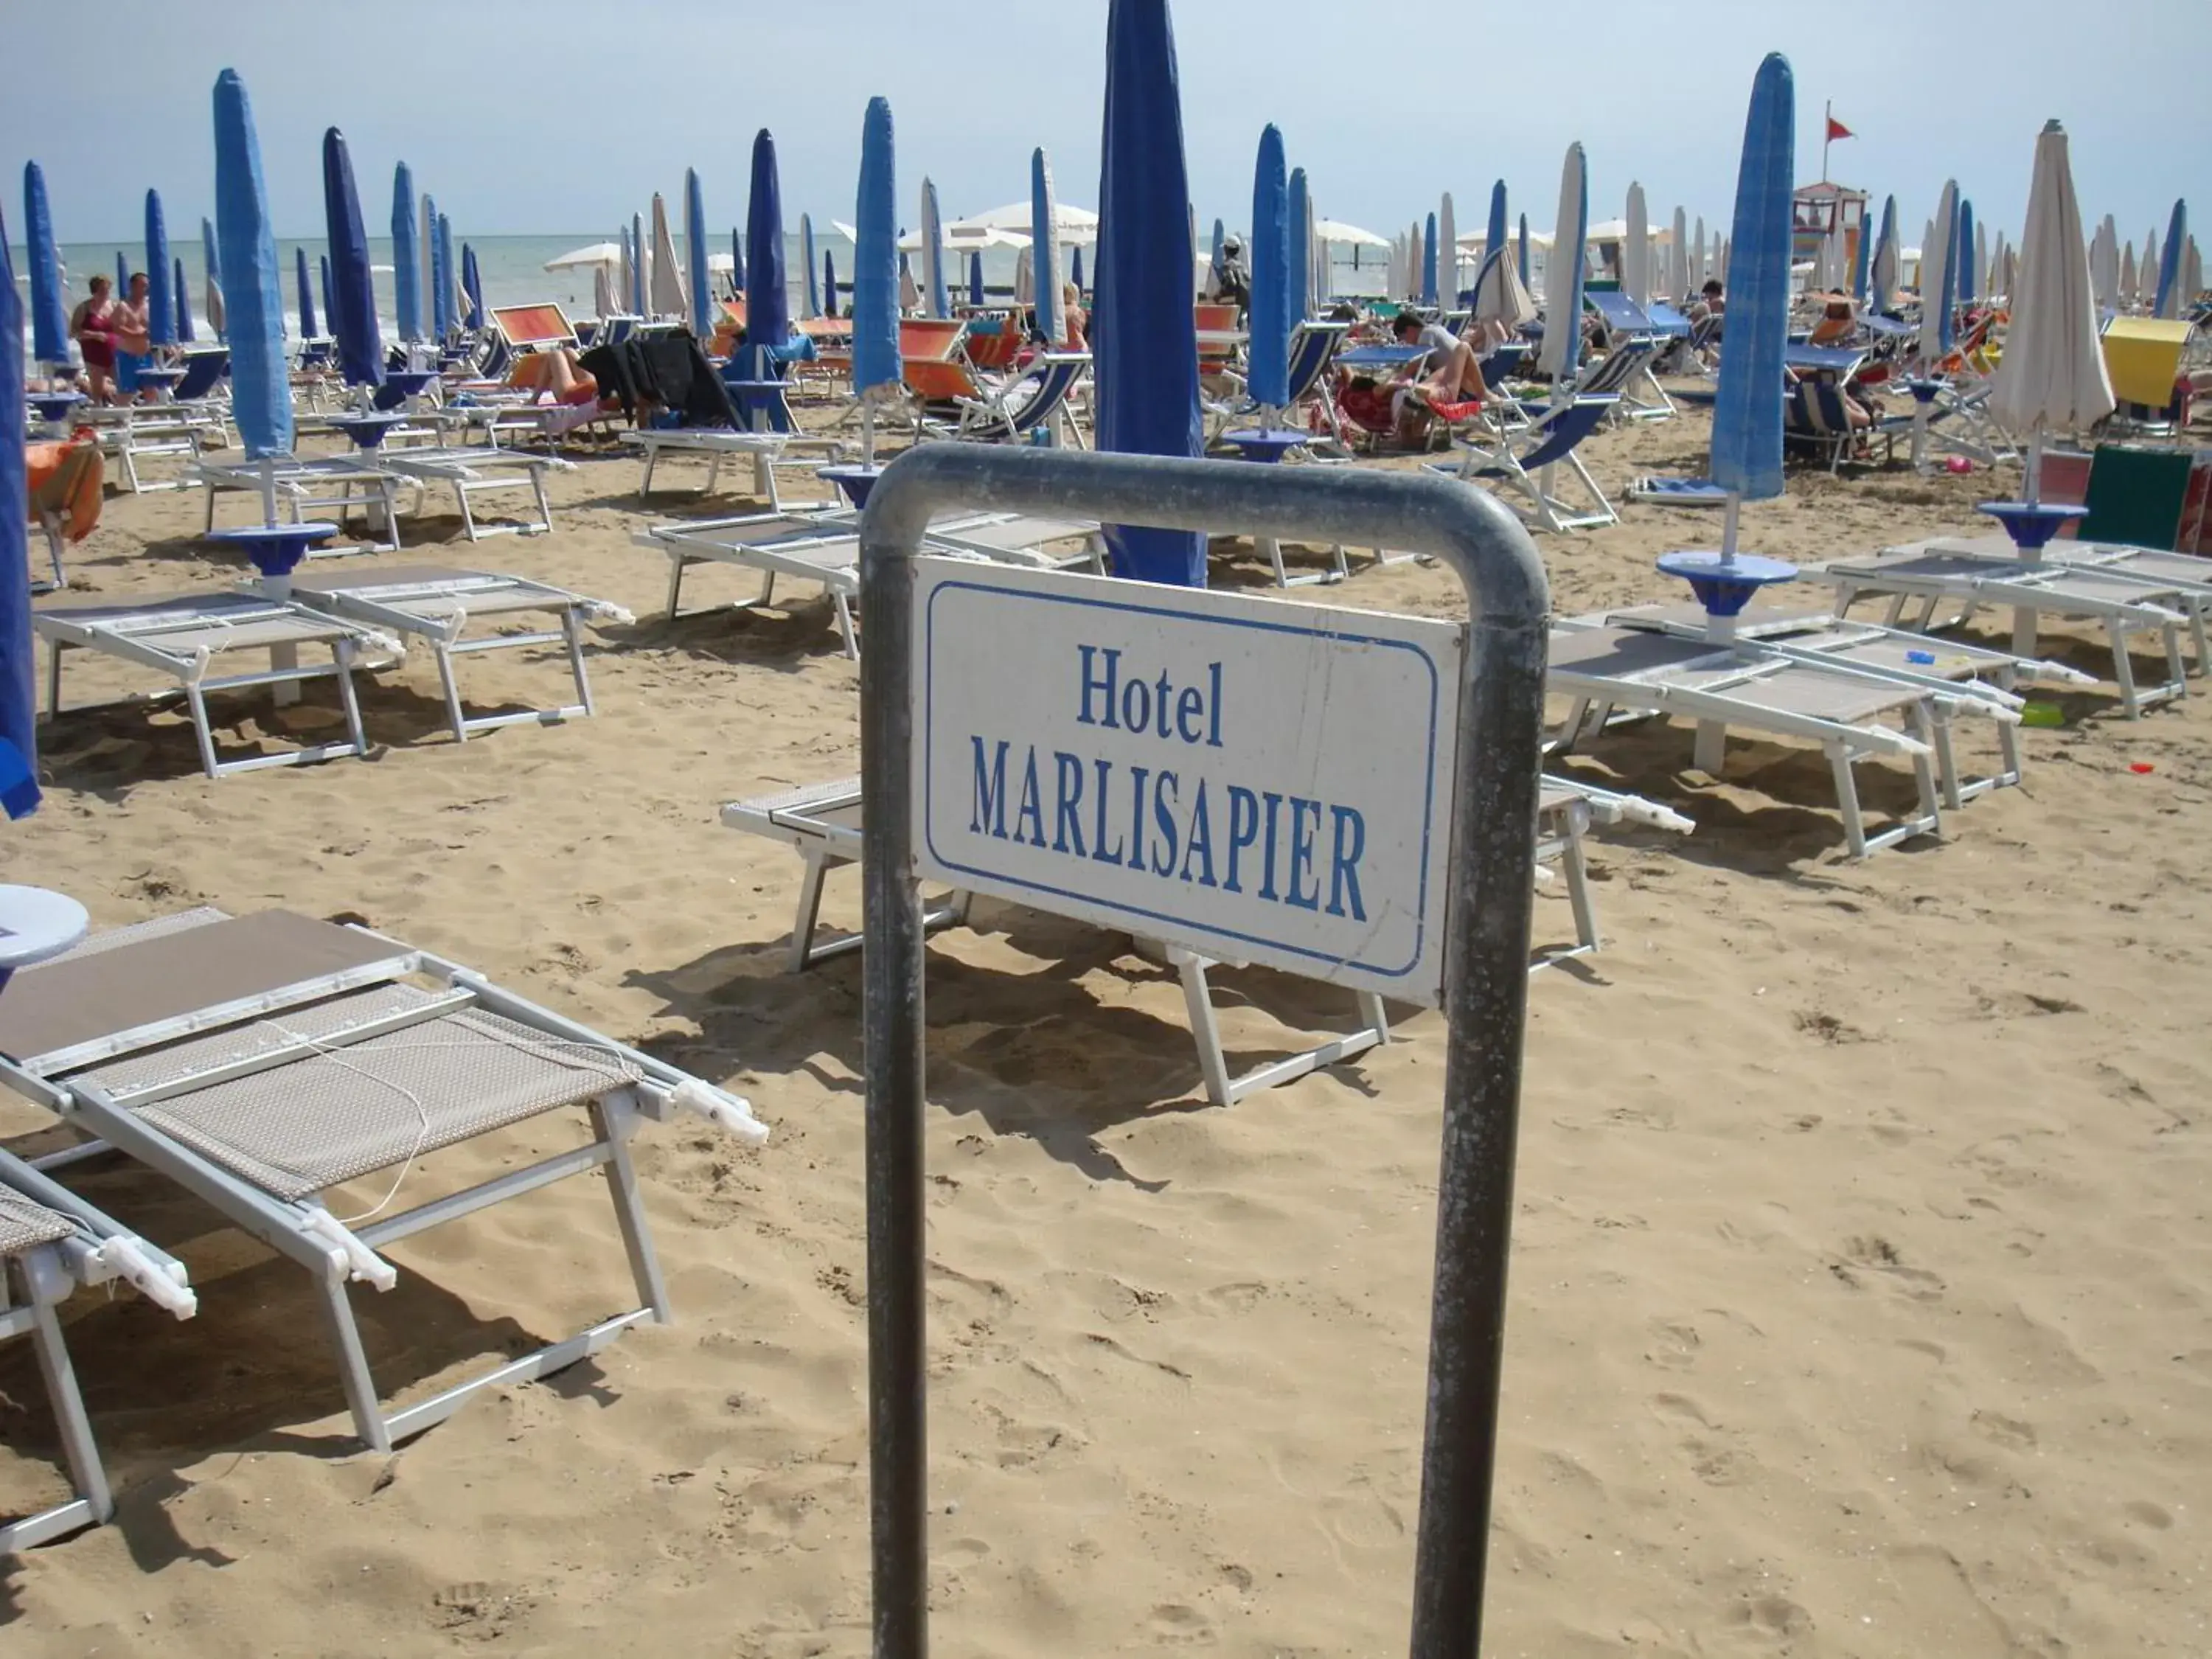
1255 781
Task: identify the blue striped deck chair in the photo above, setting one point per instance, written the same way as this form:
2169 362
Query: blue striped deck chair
1043 387
1528 462
1662 491
1313 353
1816 417
202 370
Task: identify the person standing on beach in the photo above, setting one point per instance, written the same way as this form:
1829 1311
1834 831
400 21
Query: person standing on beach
134 346
92 327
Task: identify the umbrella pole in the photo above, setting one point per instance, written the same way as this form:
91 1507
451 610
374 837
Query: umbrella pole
868 427
2033 485
282 658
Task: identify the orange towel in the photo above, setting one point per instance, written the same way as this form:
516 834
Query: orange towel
65 478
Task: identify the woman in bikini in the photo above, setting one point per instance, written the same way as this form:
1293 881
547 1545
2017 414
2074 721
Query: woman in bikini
92 327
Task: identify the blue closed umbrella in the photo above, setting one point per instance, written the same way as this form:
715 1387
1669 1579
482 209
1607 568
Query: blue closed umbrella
353 290
875 271
438 311
807 265
768 300
472 285
1494 236
1268 346
1146 340
1429 264
736 260
1521 255
828 282
2170 257
181 297
1746 455
19 690
211 262
122 273
1220 247
161 304
1075 272
1299 231
701 290
1044 247
449 274
406 257
638 256
323 287
975 276
932 253
1963 251
1881 276
49 316
261 399
307 328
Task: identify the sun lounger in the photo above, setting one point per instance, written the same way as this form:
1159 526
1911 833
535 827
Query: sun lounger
824 548
436 606
2184 580
1949 587
51 1242
131 433
1660 491
1604 669
1526 462
1037 396
184 637
262 1063
823 823
305 484
717 444
473 472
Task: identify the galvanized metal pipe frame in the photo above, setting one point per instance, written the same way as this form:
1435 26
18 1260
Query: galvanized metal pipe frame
1485 973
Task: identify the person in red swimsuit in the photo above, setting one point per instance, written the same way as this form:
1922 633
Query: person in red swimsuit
93 328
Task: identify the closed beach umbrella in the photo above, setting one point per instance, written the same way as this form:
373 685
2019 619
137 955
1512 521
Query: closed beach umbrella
1678 258
211 263
736 260
975 276
323 288
1074 271
910 296
49 316
456 300
352 287
1747 447
701 295
406 291
308 330
1220 254
1147 336
1521 254
161 305
19 688
1833 271
2168 303
641 268
811 306
1936 281
1862 265
1448 251
603 303
2147 271
933 255
1697 258
627 278
181 298
876 366
1963 262
441 306
2192 273
261 398
2130 278
828 282
768 300
1881 274
2052 377
666 294
1430 272
1298 236
425 246
2105 264
1494 236
472 285
1636 251
1044 242
122 273
1268 346
1563 275
1501 299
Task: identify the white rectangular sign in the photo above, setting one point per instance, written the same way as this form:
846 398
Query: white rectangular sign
1254 780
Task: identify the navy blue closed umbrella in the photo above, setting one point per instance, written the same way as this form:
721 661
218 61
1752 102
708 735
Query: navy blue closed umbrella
19 689
975 276
736 260
472 285
828 283
406 256
437 310
161 304
1146 342
307 328
122 273
323 288
353 291
767 303
181 298
1074 271
1269 344
1963 257
1521 256
49 316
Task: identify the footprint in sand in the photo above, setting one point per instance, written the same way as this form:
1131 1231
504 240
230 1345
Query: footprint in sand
1174 1624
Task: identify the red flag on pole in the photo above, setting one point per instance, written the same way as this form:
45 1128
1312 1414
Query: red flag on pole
1838 130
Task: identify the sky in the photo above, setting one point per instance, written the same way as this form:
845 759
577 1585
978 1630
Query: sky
559 116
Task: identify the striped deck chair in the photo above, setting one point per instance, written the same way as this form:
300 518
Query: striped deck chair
1049 378
1528 462
1312 354
1816 416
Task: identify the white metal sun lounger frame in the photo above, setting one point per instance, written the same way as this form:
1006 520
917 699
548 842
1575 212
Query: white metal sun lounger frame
302 1230
88 1248
131 433
821 823
433 607
1718 705
470 472
2186 576
717 444
134 637
302 484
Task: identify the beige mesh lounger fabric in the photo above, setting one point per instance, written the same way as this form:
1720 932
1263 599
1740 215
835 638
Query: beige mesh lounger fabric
474 472
435 604
823 821
260 1062
186 636
51 1243
304 485
717 444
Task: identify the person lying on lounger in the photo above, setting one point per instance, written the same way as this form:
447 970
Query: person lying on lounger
554 376
1449 373
1837 322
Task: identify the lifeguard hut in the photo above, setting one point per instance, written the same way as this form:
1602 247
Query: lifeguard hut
1814 212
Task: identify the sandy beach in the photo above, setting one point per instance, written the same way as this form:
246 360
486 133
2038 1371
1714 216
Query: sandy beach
1860 1290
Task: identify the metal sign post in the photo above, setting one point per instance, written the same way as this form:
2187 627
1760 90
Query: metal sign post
1492 865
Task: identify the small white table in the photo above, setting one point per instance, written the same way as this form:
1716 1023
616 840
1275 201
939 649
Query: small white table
36 925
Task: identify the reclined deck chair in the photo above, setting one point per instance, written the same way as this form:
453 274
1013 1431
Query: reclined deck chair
1043 389
823 823
1605 671
183 637
1642 397
1949 587
1816 416
824 548
204 368
305 485
1526 462
263 1062
1313 353
51 1242
129 434
474 472
436 606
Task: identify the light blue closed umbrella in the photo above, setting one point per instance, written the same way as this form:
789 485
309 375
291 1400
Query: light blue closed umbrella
49 316
1044 248
975 277
808 265
307 328
161 304
1268 344
1146 333
181 298
1429 264
932 253
1494 236
1220 247
19 685
876 370
260 392
449 275
1963 251
406 256
211 263
1746 453
1522 253
2170 258
700 290
1882 275
1299 229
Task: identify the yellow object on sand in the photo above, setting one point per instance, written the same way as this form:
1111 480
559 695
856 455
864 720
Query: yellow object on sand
2144 356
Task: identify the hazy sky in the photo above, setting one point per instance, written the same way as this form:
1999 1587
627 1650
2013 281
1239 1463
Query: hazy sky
545 116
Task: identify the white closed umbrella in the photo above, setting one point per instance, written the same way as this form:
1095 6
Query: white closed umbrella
663 296
2129 277
1636 251
2192 272
1678 260
1831 272
1698 271
1447 255
1563 275
603 293
1025 277
2105 264
1502 302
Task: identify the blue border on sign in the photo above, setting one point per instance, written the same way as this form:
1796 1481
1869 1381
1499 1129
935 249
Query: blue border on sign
1428 804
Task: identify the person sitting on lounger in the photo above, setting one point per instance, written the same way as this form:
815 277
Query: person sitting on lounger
555 376
92 327
1449 373
1839 321
1074 321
